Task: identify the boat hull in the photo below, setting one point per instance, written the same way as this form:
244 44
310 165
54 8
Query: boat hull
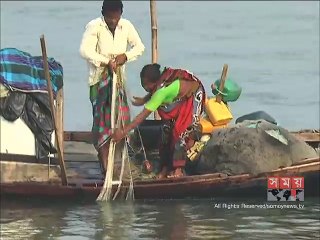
201 186
88 186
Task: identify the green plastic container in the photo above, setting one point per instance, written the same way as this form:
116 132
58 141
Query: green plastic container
231 91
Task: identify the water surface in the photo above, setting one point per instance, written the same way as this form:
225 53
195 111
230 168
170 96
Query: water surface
188 219
272 49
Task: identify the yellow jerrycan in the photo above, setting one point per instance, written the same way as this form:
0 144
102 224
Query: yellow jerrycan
216 109
207 126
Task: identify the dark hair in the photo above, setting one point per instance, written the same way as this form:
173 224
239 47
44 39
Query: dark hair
111 6
151 72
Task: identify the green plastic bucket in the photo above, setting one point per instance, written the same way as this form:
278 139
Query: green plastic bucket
231 91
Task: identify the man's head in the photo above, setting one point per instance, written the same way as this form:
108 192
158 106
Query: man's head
112 11
150 75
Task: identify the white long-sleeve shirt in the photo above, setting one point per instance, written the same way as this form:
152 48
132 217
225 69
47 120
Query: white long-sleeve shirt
99 46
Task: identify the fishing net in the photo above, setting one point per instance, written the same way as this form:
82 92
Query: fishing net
252 147
118 152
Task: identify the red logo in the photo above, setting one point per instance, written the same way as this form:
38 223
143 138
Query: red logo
285 188
293 193
273 182
297 182
284 182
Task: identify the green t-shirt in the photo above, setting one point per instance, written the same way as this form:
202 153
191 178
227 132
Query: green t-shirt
164 95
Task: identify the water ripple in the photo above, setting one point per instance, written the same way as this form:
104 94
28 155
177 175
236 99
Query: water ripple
154 220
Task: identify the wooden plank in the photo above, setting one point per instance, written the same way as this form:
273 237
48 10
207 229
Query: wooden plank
308 136
308 167
69 157
78 136
86 136
305 161
229 186
28 172
181 179
314 166
79 148
26 158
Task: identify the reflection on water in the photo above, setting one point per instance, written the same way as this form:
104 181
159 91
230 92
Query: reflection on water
188 219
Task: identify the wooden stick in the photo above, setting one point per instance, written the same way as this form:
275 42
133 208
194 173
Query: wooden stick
59 116
154 39
59 145
222 81
305 161
154 31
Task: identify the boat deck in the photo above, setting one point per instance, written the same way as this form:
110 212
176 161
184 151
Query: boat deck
81 161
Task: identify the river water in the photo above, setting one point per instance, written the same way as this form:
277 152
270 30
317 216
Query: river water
272 49
174 220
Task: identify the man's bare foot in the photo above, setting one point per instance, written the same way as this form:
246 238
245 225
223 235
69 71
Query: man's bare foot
179 172
162 174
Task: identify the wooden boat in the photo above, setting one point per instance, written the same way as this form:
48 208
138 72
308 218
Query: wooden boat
87 182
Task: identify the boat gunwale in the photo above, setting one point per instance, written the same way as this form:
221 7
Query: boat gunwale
85 136
75 183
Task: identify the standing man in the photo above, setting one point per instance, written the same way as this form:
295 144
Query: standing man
104 45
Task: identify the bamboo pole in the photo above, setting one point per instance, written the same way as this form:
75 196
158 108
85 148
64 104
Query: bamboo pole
154 39
222 81
59 115
154 31
57 133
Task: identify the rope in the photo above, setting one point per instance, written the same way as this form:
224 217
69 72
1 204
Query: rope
105 193
122 162
125 150
224 94
107 187
133 150
121 172
130 192
125 154
142 146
